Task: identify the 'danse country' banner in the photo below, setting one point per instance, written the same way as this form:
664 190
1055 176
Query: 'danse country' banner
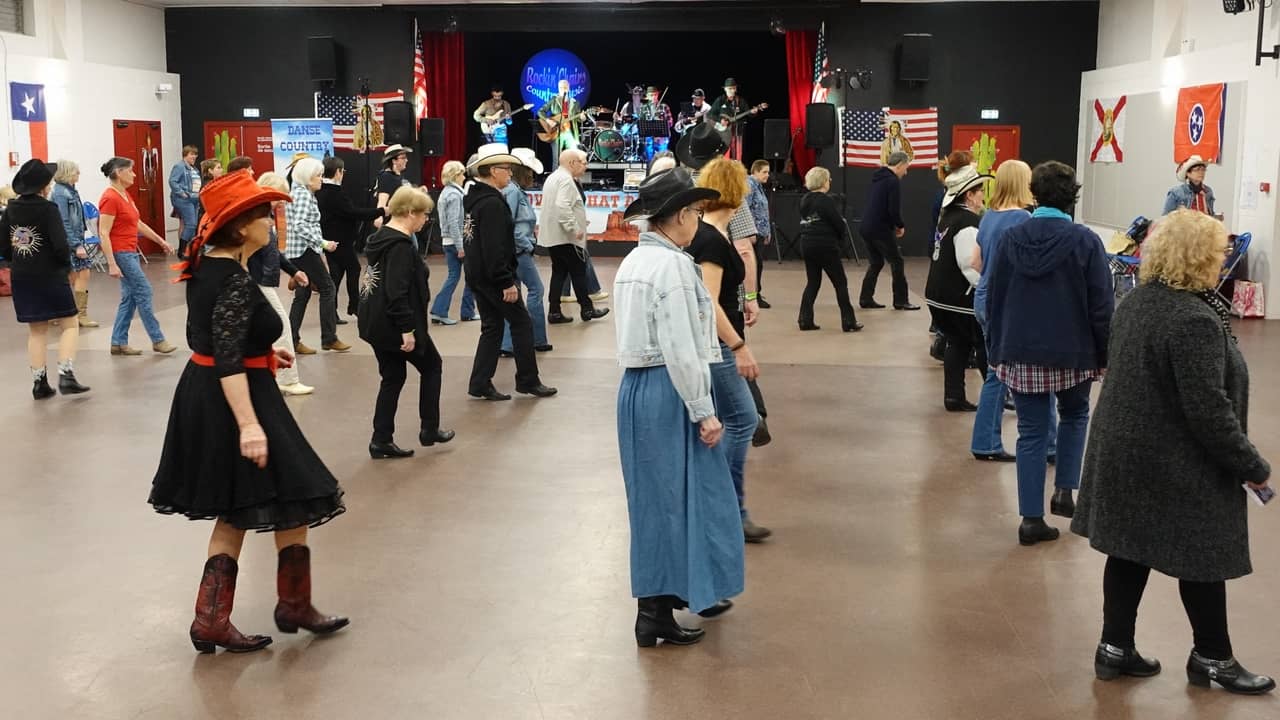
310 136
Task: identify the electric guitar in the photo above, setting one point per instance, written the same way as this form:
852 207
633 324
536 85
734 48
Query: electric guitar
724 123
556 124
489 123
686 123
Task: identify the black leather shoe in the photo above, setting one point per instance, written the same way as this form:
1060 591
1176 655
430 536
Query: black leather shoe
594 314
538 390
654 622
558 319
716 610
1001 456
961 405
754 533
871 305
764 304
808 325
1034 530
543 348
431 438
762 436
1230 674
489 393
1051 459
341 321
852 327
384 451
1062 504
68 385
907 306
40 389
1110 662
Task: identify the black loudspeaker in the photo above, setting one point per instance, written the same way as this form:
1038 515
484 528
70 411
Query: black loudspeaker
322 57
777 138
398 123
820 125
431 137
913 57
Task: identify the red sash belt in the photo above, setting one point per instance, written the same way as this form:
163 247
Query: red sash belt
261 362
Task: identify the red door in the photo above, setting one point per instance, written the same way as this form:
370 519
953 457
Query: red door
225 140
139 140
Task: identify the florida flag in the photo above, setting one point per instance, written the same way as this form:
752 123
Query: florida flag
1197 128
30 126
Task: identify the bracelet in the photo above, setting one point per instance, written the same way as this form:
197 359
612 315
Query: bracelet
735 348
752 296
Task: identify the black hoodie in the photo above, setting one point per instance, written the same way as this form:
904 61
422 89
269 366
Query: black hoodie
884 204
489 237
393 291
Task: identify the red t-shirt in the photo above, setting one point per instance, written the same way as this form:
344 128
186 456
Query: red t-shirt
124 231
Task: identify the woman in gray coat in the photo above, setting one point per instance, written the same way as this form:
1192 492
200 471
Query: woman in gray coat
1168 454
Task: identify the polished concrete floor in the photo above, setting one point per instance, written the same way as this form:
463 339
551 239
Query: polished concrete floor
491 580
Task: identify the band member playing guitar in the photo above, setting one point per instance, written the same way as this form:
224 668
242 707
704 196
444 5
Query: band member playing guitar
729 110
561 119
491 114
694 112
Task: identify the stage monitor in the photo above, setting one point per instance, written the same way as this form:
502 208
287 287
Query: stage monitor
322 59
632 177
541 76
913 58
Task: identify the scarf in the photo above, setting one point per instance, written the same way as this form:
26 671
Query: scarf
1197 198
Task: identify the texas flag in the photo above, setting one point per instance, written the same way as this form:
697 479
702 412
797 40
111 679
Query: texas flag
30 126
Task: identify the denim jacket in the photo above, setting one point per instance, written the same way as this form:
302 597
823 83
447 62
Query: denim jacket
72 210
181 186
450 210
522 213
665 316
1181 196
758 202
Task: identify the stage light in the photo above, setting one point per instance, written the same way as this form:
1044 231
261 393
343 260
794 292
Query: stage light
776 27
860 79
1235 7
451 24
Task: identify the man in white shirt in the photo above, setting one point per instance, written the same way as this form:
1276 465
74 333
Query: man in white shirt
562 230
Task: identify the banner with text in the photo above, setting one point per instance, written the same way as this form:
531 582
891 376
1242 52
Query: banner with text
604 215
293 137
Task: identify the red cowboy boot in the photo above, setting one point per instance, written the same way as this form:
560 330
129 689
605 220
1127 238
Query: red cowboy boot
293 583
212 626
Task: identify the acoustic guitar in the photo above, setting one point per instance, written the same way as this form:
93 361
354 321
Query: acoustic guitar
724 123
556 124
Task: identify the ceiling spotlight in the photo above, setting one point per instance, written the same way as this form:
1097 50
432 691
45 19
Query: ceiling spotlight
451 24
860 79
776 27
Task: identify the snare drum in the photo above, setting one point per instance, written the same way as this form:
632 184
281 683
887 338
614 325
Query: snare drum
609 146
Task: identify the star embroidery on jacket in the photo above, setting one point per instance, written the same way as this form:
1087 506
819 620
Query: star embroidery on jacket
369 280
468 229
26 241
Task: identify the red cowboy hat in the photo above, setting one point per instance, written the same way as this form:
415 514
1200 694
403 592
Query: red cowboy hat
225 199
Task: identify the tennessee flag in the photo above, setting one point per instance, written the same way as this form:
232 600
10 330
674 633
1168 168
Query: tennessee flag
30 126
1197 128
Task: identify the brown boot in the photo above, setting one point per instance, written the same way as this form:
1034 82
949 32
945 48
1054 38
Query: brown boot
82 306
293 583
212 626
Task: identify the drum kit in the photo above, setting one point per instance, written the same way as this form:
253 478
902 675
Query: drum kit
613 137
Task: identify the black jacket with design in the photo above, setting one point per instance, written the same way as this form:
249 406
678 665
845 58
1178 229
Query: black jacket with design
488 234
393 291
34 240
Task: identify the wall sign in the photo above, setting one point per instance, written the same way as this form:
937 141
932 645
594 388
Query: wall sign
545 70
312 136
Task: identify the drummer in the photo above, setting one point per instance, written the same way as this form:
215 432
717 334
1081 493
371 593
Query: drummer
651 109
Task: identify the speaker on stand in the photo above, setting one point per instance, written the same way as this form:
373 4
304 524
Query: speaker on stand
398 124
322 59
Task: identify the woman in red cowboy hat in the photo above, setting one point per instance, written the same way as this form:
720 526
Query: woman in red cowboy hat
232 452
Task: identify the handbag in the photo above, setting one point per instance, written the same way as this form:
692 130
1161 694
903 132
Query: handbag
1248 299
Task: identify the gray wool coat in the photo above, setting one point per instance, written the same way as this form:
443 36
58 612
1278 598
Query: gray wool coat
1168 448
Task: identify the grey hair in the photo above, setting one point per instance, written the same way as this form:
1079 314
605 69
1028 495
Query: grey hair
573 153
816 178
453 171
306 170
896 158
66 169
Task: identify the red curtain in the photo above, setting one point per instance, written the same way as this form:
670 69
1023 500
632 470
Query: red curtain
801 45
445 56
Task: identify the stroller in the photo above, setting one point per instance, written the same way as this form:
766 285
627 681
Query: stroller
92 245
1124 253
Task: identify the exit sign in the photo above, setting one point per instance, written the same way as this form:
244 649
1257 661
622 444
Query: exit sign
990 114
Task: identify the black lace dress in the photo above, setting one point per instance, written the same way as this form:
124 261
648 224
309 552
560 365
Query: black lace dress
202 474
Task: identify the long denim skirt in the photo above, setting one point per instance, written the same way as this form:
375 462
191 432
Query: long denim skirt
686 532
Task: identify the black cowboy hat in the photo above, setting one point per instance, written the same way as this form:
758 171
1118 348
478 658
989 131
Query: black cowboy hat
666 191
701 145
34 176
730 82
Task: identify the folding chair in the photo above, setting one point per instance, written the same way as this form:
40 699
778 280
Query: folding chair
1233 259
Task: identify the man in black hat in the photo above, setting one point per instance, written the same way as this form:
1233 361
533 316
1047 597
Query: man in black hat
492 113
693 112
725 108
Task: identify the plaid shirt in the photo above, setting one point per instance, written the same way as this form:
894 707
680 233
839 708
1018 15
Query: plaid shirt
302 218
1037 380
740 224
759 204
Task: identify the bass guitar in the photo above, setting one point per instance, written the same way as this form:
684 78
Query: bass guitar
489 123
556 124
724 123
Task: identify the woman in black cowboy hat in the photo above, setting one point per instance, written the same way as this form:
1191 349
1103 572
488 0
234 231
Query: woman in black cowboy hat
34 240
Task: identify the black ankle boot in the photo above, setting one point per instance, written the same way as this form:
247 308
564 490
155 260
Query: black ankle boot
1034 530
40 388
654 621
1230 674
68 385
805 322
383 451
1110 662
1062 504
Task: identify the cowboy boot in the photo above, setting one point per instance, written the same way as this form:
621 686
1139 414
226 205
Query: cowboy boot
212 626
293 584
82 308
654 622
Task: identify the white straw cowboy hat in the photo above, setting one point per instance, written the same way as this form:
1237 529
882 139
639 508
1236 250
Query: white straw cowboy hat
1189 163
962 181
529 159
492 154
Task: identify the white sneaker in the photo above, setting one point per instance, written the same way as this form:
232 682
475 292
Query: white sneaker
600 295
297 389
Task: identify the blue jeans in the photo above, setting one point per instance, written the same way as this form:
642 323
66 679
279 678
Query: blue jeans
135 294
593 283
440 307
186 210
737 412
527 273
1034 418
987 424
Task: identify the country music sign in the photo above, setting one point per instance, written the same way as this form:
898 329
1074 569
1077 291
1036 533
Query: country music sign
541 76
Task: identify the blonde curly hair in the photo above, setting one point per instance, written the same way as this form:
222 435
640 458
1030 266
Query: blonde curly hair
727 176
1186 250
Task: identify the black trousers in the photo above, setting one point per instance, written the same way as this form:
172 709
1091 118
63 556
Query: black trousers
964 340
819 259
493 313
883 247
344 263
311 264
392 367
568 261
1205 602
760 249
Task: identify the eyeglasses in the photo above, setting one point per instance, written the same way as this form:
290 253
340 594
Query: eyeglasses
501 167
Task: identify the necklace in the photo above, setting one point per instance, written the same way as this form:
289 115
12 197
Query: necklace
1213 300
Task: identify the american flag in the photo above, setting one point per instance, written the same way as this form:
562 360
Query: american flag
862 134
342 108
820 68
419 75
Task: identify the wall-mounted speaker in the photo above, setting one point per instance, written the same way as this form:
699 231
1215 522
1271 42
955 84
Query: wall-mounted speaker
913 57
820 125
322 59
431 137
398 123
777 138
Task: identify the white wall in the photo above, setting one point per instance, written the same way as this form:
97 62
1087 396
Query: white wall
1193 42
99 60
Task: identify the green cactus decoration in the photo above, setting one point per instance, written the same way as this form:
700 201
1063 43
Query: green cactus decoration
224 148
985 158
